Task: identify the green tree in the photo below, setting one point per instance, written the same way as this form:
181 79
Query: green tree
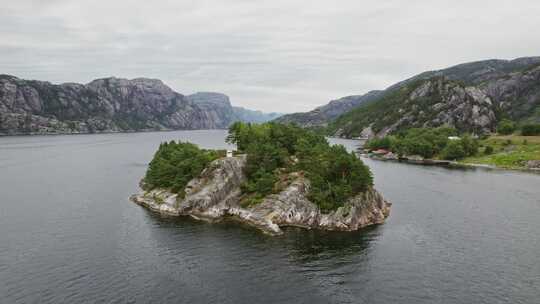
470 145
386 142
275 150
454 150
506 126
175 164
426 142
530 129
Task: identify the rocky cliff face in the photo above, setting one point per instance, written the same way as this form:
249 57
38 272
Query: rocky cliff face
106 105
216 106
512 86
216 194
517 94
432 103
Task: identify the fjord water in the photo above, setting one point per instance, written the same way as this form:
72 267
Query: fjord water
68 234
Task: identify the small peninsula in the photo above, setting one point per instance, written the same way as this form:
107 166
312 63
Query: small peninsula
281 175
512 147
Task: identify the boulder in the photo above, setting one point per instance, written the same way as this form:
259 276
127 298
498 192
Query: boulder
533 164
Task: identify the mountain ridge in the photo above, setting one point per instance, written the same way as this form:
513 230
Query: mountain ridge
320 116
106 105
513 86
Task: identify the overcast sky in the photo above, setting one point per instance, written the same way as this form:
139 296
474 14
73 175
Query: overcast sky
276 55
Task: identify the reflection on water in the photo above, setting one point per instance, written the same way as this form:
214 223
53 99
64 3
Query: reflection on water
301 245
311 245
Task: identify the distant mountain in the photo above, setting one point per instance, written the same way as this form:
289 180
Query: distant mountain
211 101
247 115
477 72
470 96
322 115
106 105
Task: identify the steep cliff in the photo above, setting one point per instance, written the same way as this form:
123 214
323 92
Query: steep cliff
106 105
429 103
216 195
517 95
216 106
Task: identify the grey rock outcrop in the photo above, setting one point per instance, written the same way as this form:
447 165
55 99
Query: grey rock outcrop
517 94
533 164
216 194
216 106
429 103
465 108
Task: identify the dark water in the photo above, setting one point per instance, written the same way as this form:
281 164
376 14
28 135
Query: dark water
68 234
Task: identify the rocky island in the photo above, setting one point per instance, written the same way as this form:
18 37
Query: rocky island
282 176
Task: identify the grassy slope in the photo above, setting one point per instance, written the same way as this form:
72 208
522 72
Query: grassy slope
508 155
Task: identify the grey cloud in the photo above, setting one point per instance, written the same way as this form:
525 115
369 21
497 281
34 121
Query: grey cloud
270 55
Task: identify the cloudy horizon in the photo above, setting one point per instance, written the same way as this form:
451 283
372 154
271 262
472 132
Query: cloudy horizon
274 56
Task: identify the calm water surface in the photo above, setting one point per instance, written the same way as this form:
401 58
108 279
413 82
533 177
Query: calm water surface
68 234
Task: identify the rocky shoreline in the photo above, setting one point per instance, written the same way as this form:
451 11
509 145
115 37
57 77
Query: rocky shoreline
216 195
534 166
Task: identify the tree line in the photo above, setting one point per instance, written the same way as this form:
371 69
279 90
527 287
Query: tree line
275 150
439 142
